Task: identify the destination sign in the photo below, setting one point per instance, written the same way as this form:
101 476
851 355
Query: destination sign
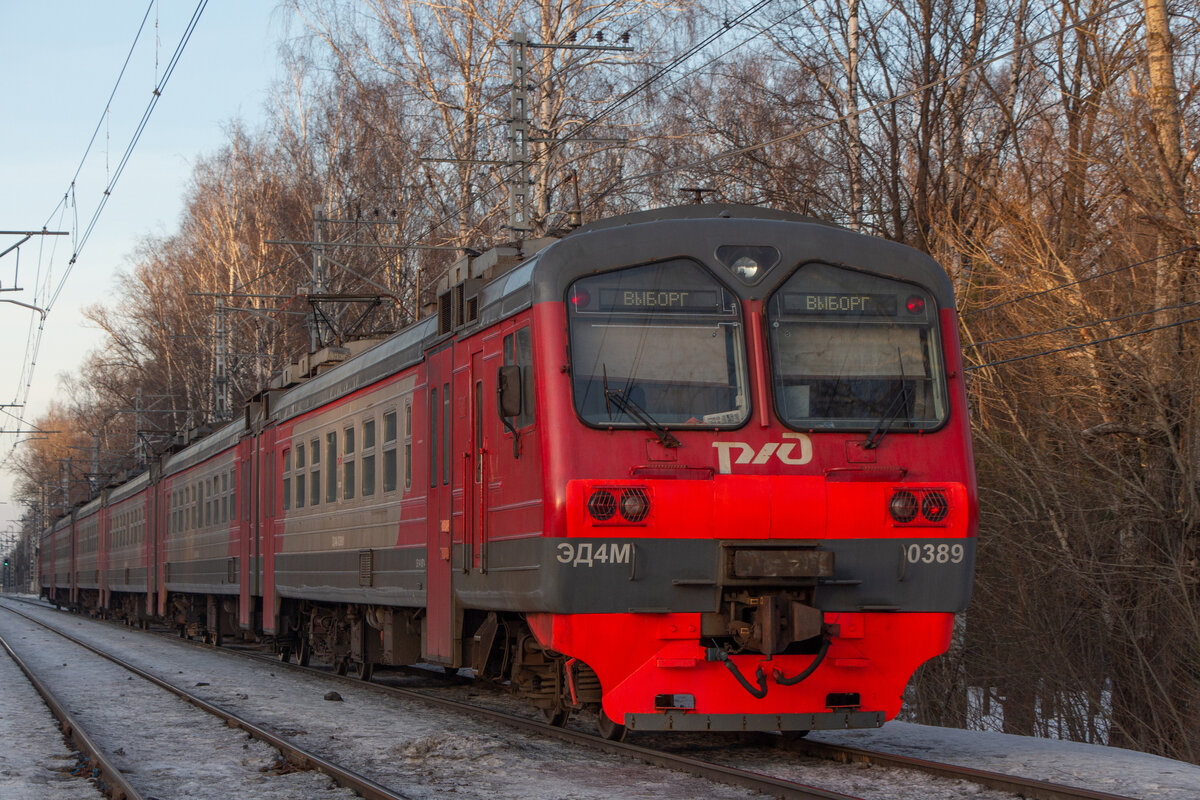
847 304
659 300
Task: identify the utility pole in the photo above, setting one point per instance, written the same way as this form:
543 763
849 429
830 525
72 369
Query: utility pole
316 328
518 137
518 181
26 236
222 400
139 443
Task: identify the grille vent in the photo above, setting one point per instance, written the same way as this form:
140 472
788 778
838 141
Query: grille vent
444 318
934 506
635 505
231 575
602 505
366 567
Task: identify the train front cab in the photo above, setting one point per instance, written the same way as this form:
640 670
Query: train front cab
769 506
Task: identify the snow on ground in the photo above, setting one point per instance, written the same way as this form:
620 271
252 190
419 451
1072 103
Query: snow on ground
1104 769
421 751
35 762
165 747
427 752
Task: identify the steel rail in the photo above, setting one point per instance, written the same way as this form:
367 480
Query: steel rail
1025 787
295 755
731 776
111 778
775 787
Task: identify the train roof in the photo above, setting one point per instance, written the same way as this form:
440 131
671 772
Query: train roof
203 449
129 488
506 294
90 507
697 231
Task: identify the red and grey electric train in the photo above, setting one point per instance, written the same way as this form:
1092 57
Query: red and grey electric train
702 468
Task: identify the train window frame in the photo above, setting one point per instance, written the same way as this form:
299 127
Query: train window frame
408 429
389 453
285 473
331 474
932 349
434 440
301 483
447 433
349 463
349 475
368 424
367 457
314 475
517 348
737 357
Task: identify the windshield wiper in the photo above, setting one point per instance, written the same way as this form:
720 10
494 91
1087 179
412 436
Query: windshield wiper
626 405
899 402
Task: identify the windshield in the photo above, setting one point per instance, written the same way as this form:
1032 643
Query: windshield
851 350
664 339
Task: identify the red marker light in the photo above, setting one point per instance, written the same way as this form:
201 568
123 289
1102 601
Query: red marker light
916 304
580 298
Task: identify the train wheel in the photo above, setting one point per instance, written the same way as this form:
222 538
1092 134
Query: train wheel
793 736
304 654
450 671
285 654
556 716
609 729
340 666
362 670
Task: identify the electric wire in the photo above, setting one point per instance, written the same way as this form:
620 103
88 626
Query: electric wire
33 349
108 104
805 131
1082 325
1082 345
1080 281
620 101
137 135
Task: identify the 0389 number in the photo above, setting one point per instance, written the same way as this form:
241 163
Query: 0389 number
935 553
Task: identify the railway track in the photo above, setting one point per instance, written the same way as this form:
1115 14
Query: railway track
772 785
121 786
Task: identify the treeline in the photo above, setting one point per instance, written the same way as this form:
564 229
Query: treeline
1042 151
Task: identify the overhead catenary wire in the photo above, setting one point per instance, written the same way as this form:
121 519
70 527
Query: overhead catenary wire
1083 280
809 129
33 347
137 135
1082 345
620 101
1082 325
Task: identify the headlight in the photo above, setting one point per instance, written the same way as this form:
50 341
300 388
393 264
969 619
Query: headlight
903 506
635 505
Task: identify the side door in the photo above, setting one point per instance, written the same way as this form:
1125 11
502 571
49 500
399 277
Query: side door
264 541
247 526
442 619
475 464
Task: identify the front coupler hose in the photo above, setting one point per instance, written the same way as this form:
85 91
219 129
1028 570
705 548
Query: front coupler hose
758 689
809 670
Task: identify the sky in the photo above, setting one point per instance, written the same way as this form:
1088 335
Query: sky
59 64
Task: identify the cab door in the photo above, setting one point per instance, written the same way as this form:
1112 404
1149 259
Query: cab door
442 618
475 466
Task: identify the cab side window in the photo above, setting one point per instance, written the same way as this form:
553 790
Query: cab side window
518 350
